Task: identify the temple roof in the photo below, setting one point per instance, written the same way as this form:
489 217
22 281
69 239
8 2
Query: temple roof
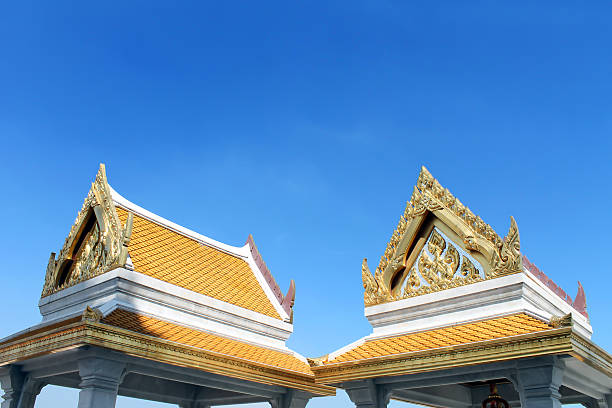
487 341
143 336
449 291
454 335
130 237
440 245
168 255
150 326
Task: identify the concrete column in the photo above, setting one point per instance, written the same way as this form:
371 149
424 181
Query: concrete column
366 394
538 382
597 403
292 399
11 380
30 390
100 379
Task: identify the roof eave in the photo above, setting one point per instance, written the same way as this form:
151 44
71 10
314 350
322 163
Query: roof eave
82 333
554 341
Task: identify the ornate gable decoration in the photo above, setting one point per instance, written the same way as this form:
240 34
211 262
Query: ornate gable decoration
421 259
96 244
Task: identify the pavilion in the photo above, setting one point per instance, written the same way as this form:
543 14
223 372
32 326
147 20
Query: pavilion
460 318
136 305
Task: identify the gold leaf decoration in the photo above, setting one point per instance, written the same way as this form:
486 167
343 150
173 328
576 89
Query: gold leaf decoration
508 258
87 254
91 315
428 196
561 321
468 269
374 289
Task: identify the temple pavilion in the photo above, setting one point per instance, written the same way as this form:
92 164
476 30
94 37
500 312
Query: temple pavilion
460 318
136 305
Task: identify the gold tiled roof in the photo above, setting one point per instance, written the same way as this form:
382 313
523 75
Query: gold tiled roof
444 337
167 255
206 341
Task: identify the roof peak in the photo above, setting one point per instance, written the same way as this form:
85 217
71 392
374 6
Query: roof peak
432 207
112 232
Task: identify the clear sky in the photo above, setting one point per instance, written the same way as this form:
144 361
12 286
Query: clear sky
305 123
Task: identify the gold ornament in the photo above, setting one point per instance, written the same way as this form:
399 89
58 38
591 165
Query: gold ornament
97 241
429 274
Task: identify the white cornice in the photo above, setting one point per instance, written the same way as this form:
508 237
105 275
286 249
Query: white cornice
517 293
122 288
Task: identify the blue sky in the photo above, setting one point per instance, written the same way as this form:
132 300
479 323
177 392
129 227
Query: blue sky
305 124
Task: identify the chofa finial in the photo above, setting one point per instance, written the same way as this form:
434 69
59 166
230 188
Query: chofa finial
91 315
508 257
561 321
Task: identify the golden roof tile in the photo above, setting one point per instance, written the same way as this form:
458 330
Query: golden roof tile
210 342
167 255
444 337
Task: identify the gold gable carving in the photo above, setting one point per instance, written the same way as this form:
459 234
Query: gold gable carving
499 256
441 270
102 249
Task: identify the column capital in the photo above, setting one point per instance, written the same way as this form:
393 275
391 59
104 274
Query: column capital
367 394
101 373
100 379
291 399
538 381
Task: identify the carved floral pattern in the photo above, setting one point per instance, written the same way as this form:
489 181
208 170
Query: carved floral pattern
105 247
444 269
429 196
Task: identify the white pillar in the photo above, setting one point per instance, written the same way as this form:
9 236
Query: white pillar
100 379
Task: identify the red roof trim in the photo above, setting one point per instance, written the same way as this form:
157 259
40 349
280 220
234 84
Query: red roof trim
285 301
579 303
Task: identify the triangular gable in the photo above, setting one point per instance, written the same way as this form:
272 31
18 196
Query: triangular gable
439 244
111 232
97 241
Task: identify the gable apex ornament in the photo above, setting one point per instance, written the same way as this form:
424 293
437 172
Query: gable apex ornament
502 256
97 241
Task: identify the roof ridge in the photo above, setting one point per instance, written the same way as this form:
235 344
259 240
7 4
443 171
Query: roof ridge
172 226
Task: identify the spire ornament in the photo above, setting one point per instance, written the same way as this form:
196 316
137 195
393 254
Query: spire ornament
507 259
375 291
